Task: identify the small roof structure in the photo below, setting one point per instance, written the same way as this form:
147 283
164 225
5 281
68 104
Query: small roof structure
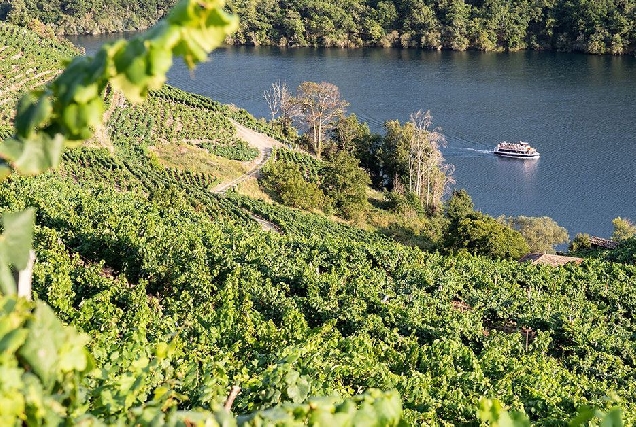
599 242
550 259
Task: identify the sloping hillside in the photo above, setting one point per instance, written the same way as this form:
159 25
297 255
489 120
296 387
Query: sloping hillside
27 61
136 251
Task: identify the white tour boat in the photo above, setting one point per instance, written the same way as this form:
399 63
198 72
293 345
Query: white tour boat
517 150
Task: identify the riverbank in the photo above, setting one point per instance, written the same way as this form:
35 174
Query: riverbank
493 26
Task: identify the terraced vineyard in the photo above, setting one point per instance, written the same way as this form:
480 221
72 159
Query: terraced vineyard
321 308
172 120
300 223
309 165
132 171
27 61
199 102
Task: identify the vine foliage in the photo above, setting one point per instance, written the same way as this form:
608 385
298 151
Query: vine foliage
69 109
43 364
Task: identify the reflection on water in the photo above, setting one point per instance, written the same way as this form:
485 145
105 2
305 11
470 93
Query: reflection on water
92 43
527 169
522 175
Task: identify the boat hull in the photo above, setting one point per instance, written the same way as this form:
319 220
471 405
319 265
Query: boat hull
517 155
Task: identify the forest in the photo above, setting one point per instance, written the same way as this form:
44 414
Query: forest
159 302
597 27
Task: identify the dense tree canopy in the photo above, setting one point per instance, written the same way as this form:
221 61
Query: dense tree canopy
541 233
490 25
600 27
475 232
86 16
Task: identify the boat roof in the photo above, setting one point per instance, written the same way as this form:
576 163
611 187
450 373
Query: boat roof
515 143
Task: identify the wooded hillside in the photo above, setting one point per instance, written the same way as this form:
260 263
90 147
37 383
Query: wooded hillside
600 27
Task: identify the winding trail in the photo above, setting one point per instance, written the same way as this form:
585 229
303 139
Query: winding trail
101 137
262 142
265 145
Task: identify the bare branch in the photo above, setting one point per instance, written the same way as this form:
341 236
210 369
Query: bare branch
428 175
289 106
273 96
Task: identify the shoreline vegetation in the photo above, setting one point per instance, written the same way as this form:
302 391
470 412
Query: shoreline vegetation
607 27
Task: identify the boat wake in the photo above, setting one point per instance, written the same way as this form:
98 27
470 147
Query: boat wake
476 150
459 146
451 152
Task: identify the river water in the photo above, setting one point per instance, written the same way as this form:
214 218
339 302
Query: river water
579 111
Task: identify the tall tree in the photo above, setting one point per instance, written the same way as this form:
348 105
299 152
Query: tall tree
355 137
395 153
346 130
413 160
319 106
428 175
457 23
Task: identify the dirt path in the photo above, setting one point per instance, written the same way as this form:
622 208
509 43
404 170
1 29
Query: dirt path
266 225
101 137
262 142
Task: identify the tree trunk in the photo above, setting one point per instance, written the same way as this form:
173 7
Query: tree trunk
319 153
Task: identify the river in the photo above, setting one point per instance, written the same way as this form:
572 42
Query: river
578 110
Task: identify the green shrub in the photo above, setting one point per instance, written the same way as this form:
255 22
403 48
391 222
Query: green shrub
345 183
403 204
478 233
580 242
484 235
541 233
285 180
623 229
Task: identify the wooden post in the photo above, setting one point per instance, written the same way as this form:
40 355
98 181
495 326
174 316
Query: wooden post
230 399
23 277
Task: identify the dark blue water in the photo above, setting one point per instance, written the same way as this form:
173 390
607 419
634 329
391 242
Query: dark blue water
579 111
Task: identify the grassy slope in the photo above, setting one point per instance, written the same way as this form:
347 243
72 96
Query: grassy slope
134 252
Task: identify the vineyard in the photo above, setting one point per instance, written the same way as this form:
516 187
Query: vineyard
200 102
180 296
309 165
166 118
325 311
169 116
300 223
26 62
133 171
